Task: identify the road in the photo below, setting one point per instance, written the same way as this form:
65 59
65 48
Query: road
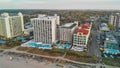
93 47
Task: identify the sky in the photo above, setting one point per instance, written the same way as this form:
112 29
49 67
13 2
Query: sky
59 4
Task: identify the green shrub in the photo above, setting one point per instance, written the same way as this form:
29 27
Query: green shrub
58 50
77 53
111 61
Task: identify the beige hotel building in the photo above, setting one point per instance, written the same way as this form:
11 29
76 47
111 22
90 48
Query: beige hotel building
11 26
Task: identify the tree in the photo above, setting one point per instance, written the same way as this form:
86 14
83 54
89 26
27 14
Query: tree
111 26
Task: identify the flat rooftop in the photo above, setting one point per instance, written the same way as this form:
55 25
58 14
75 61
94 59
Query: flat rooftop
83 29
44 18
111 38
68 25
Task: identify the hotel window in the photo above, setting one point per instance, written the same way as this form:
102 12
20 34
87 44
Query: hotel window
84 36
43 21
74 41
83 43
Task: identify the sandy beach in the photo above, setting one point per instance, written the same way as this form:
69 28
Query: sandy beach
25 60
19 62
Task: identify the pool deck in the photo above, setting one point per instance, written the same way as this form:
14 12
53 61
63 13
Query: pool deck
62 46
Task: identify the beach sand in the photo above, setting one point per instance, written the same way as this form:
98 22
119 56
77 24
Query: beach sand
22 63
24 60
19 62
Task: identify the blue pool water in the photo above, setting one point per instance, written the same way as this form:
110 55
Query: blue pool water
62 46
20 38
111 51
2 41
33 44
41 46
109 55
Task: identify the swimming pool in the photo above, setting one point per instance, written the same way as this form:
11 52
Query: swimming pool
111 51
41 46
33 44
2 41
62 46
78 48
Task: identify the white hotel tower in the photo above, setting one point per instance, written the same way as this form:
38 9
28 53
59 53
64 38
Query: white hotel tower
11 25
45 28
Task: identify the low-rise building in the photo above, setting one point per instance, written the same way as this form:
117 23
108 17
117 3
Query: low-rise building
111 45
104 27
117 36
80 37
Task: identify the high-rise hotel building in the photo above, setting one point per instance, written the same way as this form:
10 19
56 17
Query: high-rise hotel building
11 26
45 28
114 19
66 32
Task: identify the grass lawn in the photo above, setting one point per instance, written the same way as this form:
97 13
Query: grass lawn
112 62
73 55
53 52
5 47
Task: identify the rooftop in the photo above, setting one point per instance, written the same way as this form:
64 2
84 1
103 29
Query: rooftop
111 38
68 25
11 14
83 29
104 29
103 25
45 17
86 25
